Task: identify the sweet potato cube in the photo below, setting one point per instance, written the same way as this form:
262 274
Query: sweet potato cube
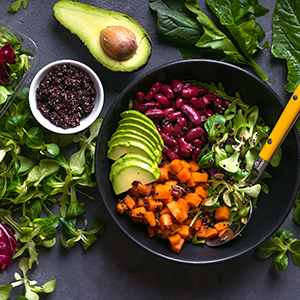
138 212
201 232
183 205
184 231
184 174
121 207
129 202
144 189
150 217
178 214
164 175
162 191
197 224
193 199
200 191
221 225
177 247
165 221
174 238
211 232
175 166
151 231
222 213
200 177
154 205
194 167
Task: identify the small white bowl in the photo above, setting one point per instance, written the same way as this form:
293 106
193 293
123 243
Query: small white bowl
84 121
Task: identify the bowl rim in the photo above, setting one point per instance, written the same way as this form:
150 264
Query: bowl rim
105 121
85 121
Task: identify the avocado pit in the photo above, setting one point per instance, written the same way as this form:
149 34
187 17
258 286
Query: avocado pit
118 42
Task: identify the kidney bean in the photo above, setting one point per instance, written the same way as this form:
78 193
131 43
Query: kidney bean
168 140
155 113
197 103
153 91
168 129
191 113
170 153
209 113
180 126
185 148
140 96
226 103
158 128
202 91
174 116
194 133
169 110
190 92
176 85
186 85
136 104
196 153
163 100
218 102
180 101
196 142
167 91
147 105
208 98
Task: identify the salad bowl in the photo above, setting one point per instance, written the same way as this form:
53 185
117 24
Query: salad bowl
283 186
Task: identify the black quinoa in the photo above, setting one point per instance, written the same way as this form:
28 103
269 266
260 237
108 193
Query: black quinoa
65 95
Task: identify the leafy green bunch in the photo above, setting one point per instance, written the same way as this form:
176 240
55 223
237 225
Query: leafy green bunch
35 174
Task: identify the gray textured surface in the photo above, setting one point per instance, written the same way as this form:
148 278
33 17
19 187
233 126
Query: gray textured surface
115 267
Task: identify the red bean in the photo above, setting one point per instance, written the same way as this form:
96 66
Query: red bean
140 96
170 153
218 102
176 85
168 129
196 142
153 91
147 105
168 140
197 103
174 116
180 101
163 100
185 148
208 98
167 91
155 113
136 104
194 133
179 126
226 103
190 92
169 110
158 128
203 91
196 153
191 113
209 113
186 85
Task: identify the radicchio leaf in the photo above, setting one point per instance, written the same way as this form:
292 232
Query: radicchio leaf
7 56
8 245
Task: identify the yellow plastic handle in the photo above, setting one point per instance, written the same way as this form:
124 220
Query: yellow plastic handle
282 127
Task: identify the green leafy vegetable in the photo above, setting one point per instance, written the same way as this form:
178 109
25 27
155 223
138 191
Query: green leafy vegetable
35 174
280 242
16 5
286 39
183 24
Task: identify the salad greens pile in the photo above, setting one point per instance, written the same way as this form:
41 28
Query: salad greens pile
39 185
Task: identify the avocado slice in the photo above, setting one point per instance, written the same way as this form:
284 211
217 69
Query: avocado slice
131 157
136 114
118 149
119 137
145 125
90 22
132 170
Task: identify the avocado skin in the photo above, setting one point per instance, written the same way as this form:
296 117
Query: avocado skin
88 21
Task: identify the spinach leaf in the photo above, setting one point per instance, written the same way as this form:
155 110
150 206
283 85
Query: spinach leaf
286 39
240 19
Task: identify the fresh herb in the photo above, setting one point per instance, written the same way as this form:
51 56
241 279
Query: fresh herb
286 43
35 174
16 5
280 242
183 23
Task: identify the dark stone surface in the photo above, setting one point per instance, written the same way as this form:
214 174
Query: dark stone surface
115 267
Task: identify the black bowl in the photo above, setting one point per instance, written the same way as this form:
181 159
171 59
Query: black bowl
273 208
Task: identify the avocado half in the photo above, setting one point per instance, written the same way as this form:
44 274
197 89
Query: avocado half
87 22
